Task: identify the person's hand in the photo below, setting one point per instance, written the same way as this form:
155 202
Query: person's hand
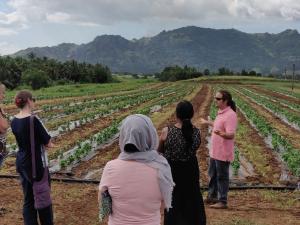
203 121
220 133
50 145
206 122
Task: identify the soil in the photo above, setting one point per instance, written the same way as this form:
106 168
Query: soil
266 166
68 140
97 162
76 204
112 151
202 107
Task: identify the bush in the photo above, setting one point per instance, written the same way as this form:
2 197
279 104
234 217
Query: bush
174 73
35 78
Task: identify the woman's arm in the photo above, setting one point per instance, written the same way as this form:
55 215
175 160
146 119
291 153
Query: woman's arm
42 133
50 144
207 122
4 124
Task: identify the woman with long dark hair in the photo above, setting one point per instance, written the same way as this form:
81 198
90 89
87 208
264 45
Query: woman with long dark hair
179 144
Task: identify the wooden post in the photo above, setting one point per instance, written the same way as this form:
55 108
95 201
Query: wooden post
285 73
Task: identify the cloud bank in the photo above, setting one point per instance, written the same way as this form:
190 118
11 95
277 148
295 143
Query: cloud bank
24 13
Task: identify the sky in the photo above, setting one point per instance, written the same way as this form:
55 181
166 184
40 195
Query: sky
37 23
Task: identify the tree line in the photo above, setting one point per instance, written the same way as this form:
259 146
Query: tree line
174 73
43 72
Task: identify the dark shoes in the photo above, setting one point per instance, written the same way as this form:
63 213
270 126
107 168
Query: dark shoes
210 201
219 205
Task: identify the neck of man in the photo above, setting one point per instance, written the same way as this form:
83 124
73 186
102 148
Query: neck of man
223 107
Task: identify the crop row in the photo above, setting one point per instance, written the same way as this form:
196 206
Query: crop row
98 111
278 143
91 143
283 91
293 106
275 108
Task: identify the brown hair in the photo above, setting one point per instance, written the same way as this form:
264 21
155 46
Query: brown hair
22 98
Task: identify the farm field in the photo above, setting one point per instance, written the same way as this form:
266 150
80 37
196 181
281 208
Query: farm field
83 121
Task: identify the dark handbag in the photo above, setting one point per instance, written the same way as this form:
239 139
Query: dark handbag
106 206
2 147
41 189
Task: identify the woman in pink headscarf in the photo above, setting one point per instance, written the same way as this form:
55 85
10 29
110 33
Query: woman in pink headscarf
140 180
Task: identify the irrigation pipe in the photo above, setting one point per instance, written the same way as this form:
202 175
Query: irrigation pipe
242 187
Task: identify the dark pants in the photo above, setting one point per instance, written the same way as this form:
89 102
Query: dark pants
1 159
30 214
219 180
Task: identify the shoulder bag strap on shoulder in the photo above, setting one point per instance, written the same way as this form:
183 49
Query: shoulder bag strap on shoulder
32 146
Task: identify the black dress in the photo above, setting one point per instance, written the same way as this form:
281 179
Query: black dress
187 203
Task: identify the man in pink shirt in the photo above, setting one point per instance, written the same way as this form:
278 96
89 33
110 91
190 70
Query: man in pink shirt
222 149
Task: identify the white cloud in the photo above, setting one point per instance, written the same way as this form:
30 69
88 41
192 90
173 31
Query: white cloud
6 48
58 17
25 13
103 11
287 9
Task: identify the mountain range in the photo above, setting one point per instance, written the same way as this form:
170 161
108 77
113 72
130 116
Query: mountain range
193 46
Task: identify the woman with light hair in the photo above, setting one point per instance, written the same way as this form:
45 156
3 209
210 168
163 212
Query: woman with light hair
140 179
4 124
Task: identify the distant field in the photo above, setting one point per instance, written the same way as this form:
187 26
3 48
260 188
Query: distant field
83 121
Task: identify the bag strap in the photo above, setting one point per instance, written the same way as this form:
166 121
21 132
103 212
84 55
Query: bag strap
32 146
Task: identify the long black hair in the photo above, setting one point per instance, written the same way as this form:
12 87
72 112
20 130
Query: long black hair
227 96
185 112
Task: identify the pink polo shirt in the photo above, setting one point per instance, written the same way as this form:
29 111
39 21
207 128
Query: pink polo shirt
135 192
221 148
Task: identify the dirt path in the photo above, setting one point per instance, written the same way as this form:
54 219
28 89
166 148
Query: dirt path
76 204
202 107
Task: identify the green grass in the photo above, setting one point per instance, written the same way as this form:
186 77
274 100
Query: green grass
73 90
